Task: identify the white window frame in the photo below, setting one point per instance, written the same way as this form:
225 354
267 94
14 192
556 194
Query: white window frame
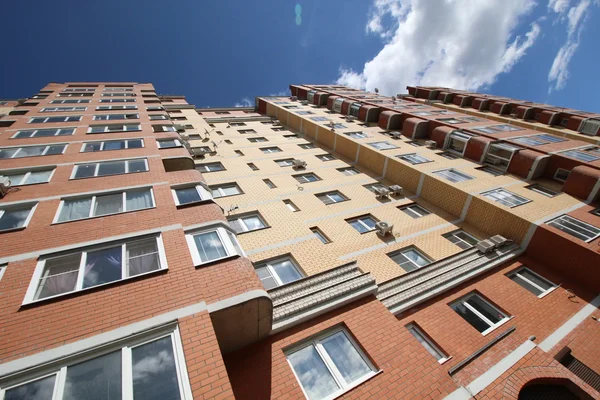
204 193
76 166
414 210
19 206
78 89
285 162
63 109
492 326
46 148
268 264
303 177
414 158
460 137
372 186
107 117
2 270
325 157
69 101
103 144
201 167
118 94
319 234
117 89
408 260
35 131
545 292
307 146
317 341
445 173
558 170
226 237
386 145
579 222
329 196
164 128
116 100
580 155
30 296
290 205
459 239
441 356
67 118
93 204
356 135
124 128
120 108
125 347
346 169
219 188
176 141
359 220
514 199
544 191
271 150
27 172
259 139
240 220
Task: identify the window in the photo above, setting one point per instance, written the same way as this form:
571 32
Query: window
243 131
28 177
349 171
500 154
462 239
34 133
560 175
451 121
277 272
304 112
268 150
32 151
108 117
164 128
69 101
482 315
269 183
210 167
287 162
427 343
325 157
114 128
331 197
447 155
48 120
237 124
357 135
575 227
363 224
292 136
550 138
168 143
109 168
414 211
491 170
2 270
580 155
532 281
320 235
16 216
319 119
119 101
529 141
409 259
62 109
79 89
67 95
119 89
118 94
383 145
108 108
305 178
104 204
307 146
506 198
213 245
112 145
190 194
290 206
497 128
257 139
155 117
253 167
373 186
453 175
329 365
247 223
414 158
542 190
151 108
224 190
98 265
457 142
228 141
122 370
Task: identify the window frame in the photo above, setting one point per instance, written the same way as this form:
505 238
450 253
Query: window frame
177 143
126 161
388 145
15 207
119 108
225 236
325 157
558 171
359 219
297 176
518 199
270 150
64 109
124 128
463 300
443 174
544 191
285 162
415 266
203 192
103 145
44 152
415 331
93 204
101 117
560 217
34 132
206 165
240 220
344 170
408 210
328 196
220 186
290 205
544 293
319 234
67 118
459 239
316 341
34 285
414 158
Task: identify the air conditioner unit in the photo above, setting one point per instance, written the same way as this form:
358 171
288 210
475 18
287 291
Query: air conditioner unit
4 186
396 190
276 122
431 144
298 164
381 192
180 128
485 246
294 98
304 102
396 135
197 152
383 228
499 240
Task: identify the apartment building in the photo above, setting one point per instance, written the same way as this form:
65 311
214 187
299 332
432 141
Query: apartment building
331 244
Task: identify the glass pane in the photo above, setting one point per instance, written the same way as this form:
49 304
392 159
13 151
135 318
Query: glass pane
41 389
92 147
142 256
370 222
470 317
209 246
286 271
109 204
114 145
187 195
415 257
253 222
358 226
95 379
535 279
137 165
14 218
526 284
7 153
16 179
312 373
236 225
138 200
266 278
75 209
345 357
102 266
85 170
230 190
134 144
425 343
45 132
31 151
111 168
154 371
58 149
336 197
485 309
59 276
467 238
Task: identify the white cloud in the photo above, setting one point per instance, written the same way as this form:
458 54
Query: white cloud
457 43
245 102
575 17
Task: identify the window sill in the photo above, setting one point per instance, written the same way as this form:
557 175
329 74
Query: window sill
490 330
101 133
355 384
194 203
216 261
104 176
254 230
12 229
445 360
547 292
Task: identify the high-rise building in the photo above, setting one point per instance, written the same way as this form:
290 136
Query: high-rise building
334 243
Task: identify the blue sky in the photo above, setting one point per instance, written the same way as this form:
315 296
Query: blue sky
218 53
